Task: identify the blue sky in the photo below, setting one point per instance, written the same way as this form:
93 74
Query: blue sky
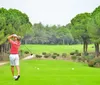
58 12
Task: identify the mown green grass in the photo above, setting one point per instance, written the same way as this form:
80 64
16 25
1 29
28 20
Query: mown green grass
51 72
38 49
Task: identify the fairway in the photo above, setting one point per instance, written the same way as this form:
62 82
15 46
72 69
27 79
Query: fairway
38 49
51 72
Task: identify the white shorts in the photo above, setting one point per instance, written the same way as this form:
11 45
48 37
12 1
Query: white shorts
14 59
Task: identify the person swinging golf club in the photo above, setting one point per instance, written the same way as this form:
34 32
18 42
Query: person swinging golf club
14 40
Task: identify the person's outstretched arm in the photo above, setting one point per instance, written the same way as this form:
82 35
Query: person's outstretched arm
9 37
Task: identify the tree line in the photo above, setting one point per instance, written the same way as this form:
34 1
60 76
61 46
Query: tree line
83 29
49 35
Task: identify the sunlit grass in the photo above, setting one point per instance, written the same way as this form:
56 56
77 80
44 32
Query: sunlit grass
37 49
51 72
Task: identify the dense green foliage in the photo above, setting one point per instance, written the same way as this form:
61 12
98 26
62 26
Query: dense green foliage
79 28
49 35
12 21
93 28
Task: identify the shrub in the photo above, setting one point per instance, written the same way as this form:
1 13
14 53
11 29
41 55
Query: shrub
97 60
44 53
94 62
97 65
72 53
54 56
91 63
55 53
47 55
78 54
79 59
26 52
73 57
76 51
21 52
89 57
83 59
58 54
85 54
64 55
38 56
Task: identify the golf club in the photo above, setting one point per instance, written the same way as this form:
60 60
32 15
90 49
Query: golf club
28 49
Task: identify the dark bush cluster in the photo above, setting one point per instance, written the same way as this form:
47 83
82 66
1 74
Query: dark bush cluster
26 52
64 55
47 55
94 62
44 53
72 53
75 53
38 56
73 57
54 56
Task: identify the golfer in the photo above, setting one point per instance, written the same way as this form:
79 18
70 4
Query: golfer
14 40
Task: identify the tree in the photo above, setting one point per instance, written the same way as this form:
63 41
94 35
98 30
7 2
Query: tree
65 35
39 33
79 28
18 21
94 29
12 21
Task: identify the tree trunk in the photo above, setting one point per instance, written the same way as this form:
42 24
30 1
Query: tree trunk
63 41
25 41
85 47
1 52
97 49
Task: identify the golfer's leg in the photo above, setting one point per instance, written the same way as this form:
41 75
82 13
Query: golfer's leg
18 70
17 67
17 64
11 57
12 70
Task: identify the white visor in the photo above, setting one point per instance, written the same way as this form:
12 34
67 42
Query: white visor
14 35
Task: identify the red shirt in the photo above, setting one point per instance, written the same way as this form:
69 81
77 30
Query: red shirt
14 46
